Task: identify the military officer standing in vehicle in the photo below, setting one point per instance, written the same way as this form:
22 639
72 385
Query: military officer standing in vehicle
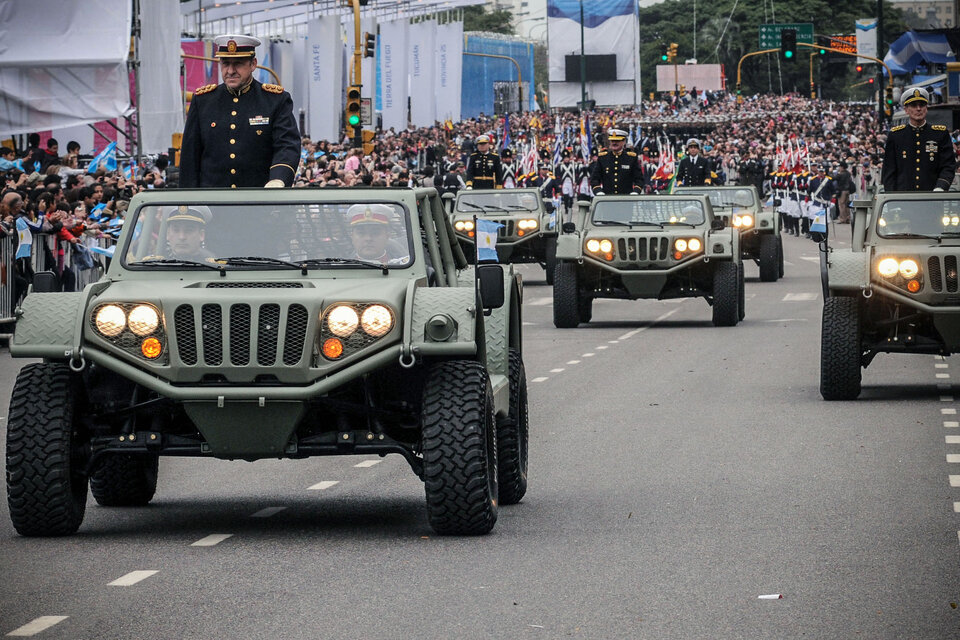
694 170
617 172
918 156
240 133
484 170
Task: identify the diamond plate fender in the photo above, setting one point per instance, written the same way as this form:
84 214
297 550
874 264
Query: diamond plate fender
848 270
47 325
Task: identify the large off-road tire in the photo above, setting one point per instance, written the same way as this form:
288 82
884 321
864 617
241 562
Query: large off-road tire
840 349
726 295
513 436
769 258
550 259
46 484
124 479
459 449
566 296
780 254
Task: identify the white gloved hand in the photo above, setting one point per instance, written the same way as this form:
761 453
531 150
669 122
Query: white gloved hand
469 188
938 189
276 183
634 193
599 193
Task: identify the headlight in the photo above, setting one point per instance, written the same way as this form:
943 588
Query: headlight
342 321
463 225
593 245
909 268
143 320
468 225
680 244
737 221
376 320
458 225
888 267
746 221
606 246
111 320
528 224
694 244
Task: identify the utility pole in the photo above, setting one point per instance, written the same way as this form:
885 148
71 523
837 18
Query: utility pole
583 65
880 92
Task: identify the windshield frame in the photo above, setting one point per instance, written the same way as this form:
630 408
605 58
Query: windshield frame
706 189
500 209
951 231
646 224
133 217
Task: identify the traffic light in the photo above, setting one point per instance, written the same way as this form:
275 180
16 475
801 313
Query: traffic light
353 106
870 80
788 44
665 57
824 43
369 45
670 53
859 69
888 100
368 141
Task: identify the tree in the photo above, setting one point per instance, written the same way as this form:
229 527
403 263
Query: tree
477 18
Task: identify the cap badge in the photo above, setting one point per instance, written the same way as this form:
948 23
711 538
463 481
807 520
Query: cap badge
232 46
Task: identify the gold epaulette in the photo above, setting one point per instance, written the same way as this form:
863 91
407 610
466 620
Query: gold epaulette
272 88
632 153
938 127
207 88
898 127
602 153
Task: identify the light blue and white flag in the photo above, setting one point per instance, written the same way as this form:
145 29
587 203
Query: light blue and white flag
104 251
487 240
819 223
109 150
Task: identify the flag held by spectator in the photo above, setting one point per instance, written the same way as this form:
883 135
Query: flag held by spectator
487 240
108 151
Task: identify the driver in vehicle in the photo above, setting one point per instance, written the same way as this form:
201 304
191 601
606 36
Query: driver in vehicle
186 230
370 234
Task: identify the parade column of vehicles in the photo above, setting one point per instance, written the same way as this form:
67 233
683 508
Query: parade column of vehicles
309 340
895 290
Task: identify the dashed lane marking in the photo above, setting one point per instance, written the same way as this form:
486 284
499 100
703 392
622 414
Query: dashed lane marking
807 258
951 424
573 362
37 625
601 347
540 379
367 463
953 458
952 439
320 486
561 370
630 334
212 539
955 481
946 398
956 507
613 342
800 297
941 365
587 355
948 412
131 578
268 512
943 376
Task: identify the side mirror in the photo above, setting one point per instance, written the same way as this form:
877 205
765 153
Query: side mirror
569 227
718 224
491 285
45 282
548 206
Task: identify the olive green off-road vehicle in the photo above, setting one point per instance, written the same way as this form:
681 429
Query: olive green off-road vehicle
895 290
741 208
528 231
252 324
647 247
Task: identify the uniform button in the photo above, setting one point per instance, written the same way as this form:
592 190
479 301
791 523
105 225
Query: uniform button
233 170
232 141
213 124
233 126
232 156
233 113
236 99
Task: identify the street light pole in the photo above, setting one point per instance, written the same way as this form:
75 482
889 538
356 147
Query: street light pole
583 65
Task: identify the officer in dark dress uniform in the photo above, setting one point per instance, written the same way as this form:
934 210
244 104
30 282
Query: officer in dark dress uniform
616 172
918 156
694 170
483 167
240 133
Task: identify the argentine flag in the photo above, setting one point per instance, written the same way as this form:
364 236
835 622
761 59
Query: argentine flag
487 240
108 155
819 223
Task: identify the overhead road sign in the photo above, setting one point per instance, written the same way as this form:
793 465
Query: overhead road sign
770 33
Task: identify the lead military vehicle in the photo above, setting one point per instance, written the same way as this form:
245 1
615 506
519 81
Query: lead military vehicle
895 290
528 232
254 324
647 247
741 208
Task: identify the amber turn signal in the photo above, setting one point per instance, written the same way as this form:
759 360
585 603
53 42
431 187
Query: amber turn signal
913 286
151 348
332 348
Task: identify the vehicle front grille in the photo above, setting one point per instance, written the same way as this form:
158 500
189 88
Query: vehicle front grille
254 285
245 327
950 271
632 249
935 273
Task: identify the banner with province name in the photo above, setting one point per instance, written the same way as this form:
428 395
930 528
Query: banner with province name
449 58
610 28
421 69
325 78
393 73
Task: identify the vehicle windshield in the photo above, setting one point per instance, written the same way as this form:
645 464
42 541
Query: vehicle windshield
273 236
925 218
726 198
657 211
502 200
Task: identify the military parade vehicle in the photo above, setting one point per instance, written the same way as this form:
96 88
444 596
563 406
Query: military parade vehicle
528 233
647 247
741 208
895 290
254 324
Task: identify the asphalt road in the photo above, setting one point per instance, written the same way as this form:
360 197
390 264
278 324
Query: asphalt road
677 472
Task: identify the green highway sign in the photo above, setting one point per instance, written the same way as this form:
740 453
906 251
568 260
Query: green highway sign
770 33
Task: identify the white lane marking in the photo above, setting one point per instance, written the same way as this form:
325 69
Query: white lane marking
367 464
573 362
953 458
811 259
946 398
613 342
529 324
587 355
131 578
37 625
602 347
952 439
941 365
956 507
799 297
948 412
539 302
561 370
943 376
951 424
540 379
788 320
664 316
268 512
320 486
212 539
955 481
